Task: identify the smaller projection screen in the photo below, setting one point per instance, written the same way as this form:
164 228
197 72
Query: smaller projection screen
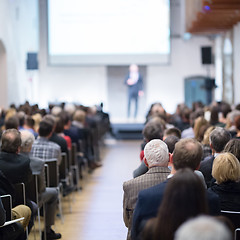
108 32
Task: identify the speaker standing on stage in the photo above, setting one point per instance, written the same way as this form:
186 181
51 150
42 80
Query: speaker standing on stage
134 82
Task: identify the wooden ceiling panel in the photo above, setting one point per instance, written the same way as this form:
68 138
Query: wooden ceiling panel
214 16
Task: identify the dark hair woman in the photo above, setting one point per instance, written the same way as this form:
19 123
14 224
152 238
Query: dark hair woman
184 197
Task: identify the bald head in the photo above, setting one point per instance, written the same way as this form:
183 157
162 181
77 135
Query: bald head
187 154
11 141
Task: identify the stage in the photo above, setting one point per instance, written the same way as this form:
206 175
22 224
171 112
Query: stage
127 128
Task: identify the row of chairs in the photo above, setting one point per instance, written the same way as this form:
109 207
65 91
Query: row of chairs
65 178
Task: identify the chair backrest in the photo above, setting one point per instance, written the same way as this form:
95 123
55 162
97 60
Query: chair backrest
46 169
74 154
20 193
233 216
63 169
53 172
32 189
7 204
69 159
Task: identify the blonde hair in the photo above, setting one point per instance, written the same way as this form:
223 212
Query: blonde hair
206 135
37 117
226 167
198 127
79 116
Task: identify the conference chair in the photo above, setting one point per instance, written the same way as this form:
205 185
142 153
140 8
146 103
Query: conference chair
34 194
53 177
21 196
16 230
74 166
234 217
66 179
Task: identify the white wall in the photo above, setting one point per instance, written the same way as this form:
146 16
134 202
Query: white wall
88 85
236 63
18 33
166 83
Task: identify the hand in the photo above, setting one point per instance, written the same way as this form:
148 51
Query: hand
130 82
140 93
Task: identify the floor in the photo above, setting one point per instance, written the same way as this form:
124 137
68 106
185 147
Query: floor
97 209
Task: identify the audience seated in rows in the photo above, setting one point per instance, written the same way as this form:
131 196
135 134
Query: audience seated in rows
187 153
48 195
11 162
42 147
226 172
219 137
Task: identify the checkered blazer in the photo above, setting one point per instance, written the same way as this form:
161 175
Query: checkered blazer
131 188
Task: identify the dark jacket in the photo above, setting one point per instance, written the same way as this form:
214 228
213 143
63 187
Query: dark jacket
206 169
149 201
229 195
60 141
15 167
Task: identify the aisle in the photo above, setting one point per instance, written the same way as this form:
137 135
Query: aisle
97 211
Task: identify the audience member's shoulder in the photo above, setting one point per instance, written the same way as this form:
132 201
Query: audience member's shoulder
53 144
207 160
156 189
24 158
128 184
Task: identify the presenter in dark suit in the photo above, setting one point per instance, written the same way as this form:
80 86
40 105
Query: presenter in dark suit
134 82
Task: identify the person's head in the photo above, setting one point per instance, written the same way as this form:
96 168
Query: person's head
237 123
152 130
37 119
45 128
56 110
219 138
79 116
12 122
185 114
133 68
187 153
69 108
59 125
11 141
27 141
172 132
29 121
226 167
21 117
200 125
214 115
203 228
66 118
157 108
233 146
206 135
231 118
171 141
156 153
184 198
50 118
225 109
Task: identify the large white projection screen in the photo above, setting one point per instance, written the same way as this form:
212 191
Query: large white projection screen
108 32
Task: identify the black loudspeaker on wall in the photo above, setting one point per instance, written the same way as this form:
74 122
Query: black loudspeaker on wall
32 61
206 55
